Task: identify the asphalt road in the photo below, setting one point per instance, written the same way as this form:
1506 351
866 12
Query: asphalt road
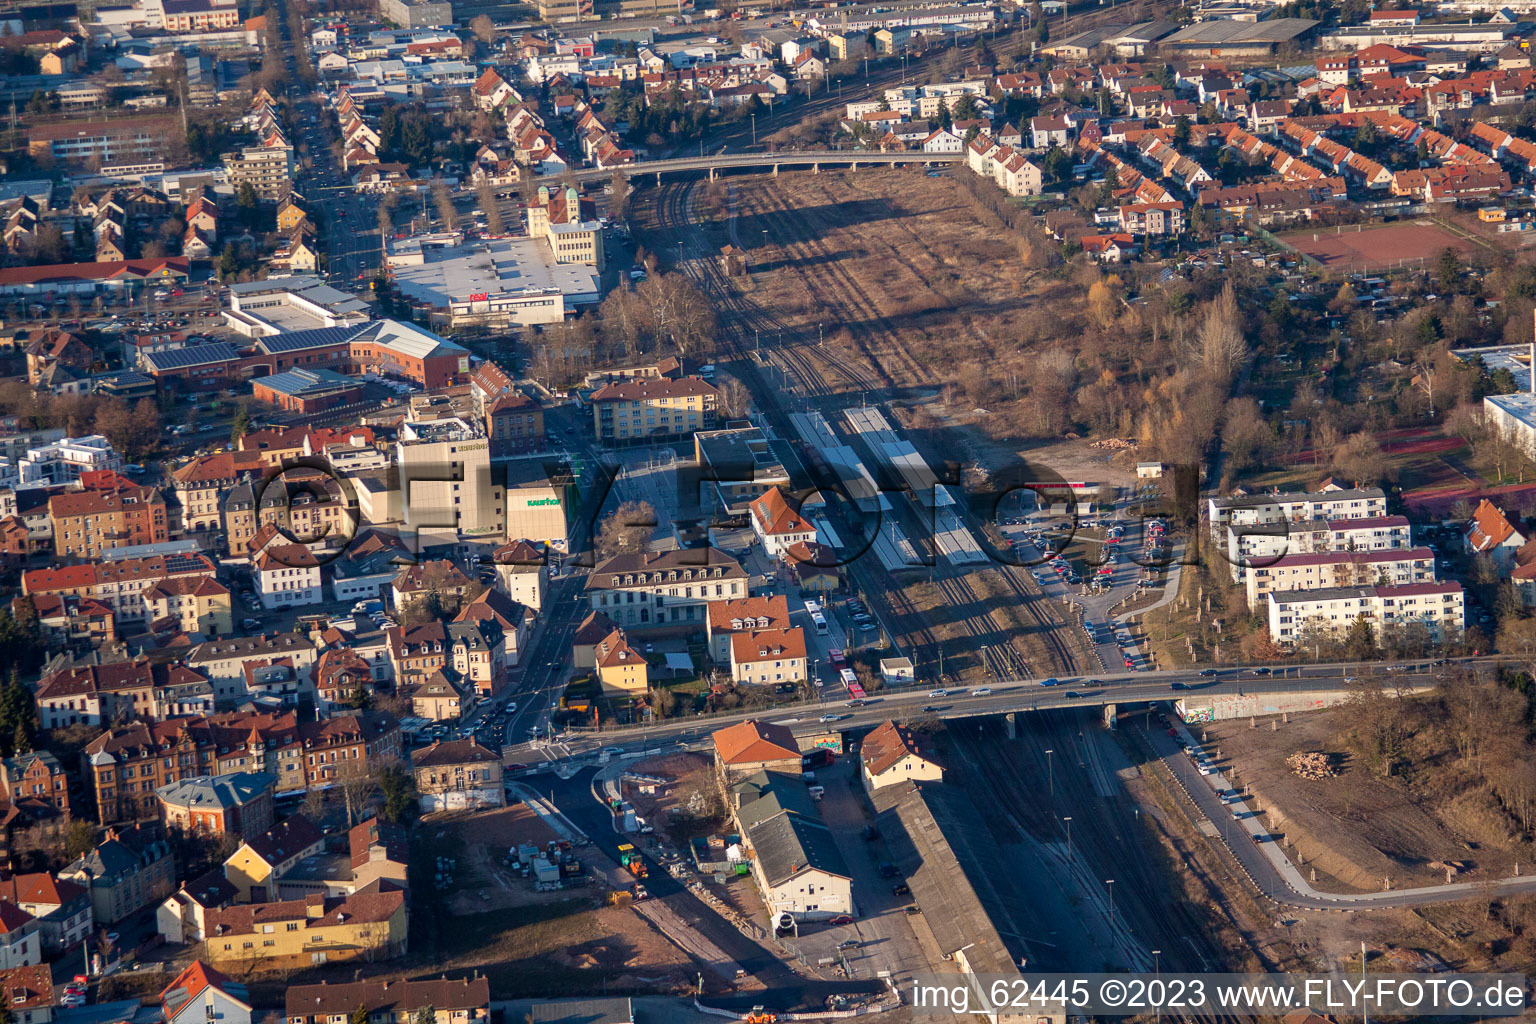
1004 697
1241 828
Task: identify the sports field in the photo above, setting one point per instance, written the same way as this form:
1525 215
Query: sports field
1363 247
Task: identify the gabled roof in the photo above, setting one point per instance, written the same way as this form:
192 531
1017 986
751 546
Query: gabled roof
753 741
1489 528
767 645
286 839
192 982
774 514
451 752
887 745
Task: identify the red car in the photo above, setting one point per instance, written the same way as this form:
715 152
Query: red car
841 919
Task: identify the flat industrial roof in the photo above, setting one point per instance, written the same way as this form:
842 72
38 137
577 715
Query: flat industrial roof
1231 33
498 268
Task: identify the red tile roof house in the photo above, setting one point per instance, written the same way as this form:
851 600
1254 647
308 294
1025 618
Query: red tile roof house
725 618
1491 533
779 524
201 994
752 746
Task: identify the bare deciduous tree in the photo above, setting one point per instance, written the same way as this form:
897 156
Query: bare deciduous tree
1218 346
627 531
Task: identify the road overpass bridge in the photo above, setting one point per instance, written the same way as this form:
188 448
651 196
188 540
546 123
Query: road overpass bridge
815 159
1230 692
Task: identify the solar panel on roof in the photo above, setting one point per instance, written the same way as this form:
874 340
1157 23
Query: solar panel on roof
319 337
192 355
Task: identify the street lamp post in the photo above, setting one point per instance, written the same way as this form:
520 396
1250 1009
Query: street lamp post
1111 883
1050 771
1068 822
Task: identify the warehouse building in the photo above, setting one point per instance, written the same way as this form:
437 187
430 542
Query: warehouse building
306 391
498 282
1238 38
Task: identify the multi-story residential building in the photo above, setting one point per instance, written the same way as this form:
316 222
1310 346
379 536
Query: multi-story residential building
288 575
1491 533
267 169
449 1000
126 765
893 755
1248 545
224 662
664 588
237 804
1297 616
202 484
200 995
1327 569
131 869
65 461
513 421
1294 507
473 651
777 521
621 669
438 578
368 925
768 656
36 779
522 573
28 993
20 938
98 694
62 908
457 775
120 140
635 411
341 675
725 618
86 523
198 607
120 584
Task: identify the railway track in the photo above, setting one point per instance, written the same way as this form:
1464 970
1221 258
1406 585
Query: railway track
994 645
861 315
1050 626
1106 842
743 324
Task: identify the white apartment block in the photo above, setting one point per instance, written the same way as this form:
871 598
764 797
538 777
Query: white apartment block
1332 569
63 461
1295 507
1298 615
1247 546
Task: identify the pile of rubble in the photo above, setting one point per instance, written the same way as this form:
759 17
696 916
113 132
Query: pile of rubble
1313 766
1117 444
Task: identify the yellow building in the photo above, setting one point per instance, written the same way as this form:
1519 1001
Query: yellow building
620 668
198 604
555 216
290 215
368 925
253 869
